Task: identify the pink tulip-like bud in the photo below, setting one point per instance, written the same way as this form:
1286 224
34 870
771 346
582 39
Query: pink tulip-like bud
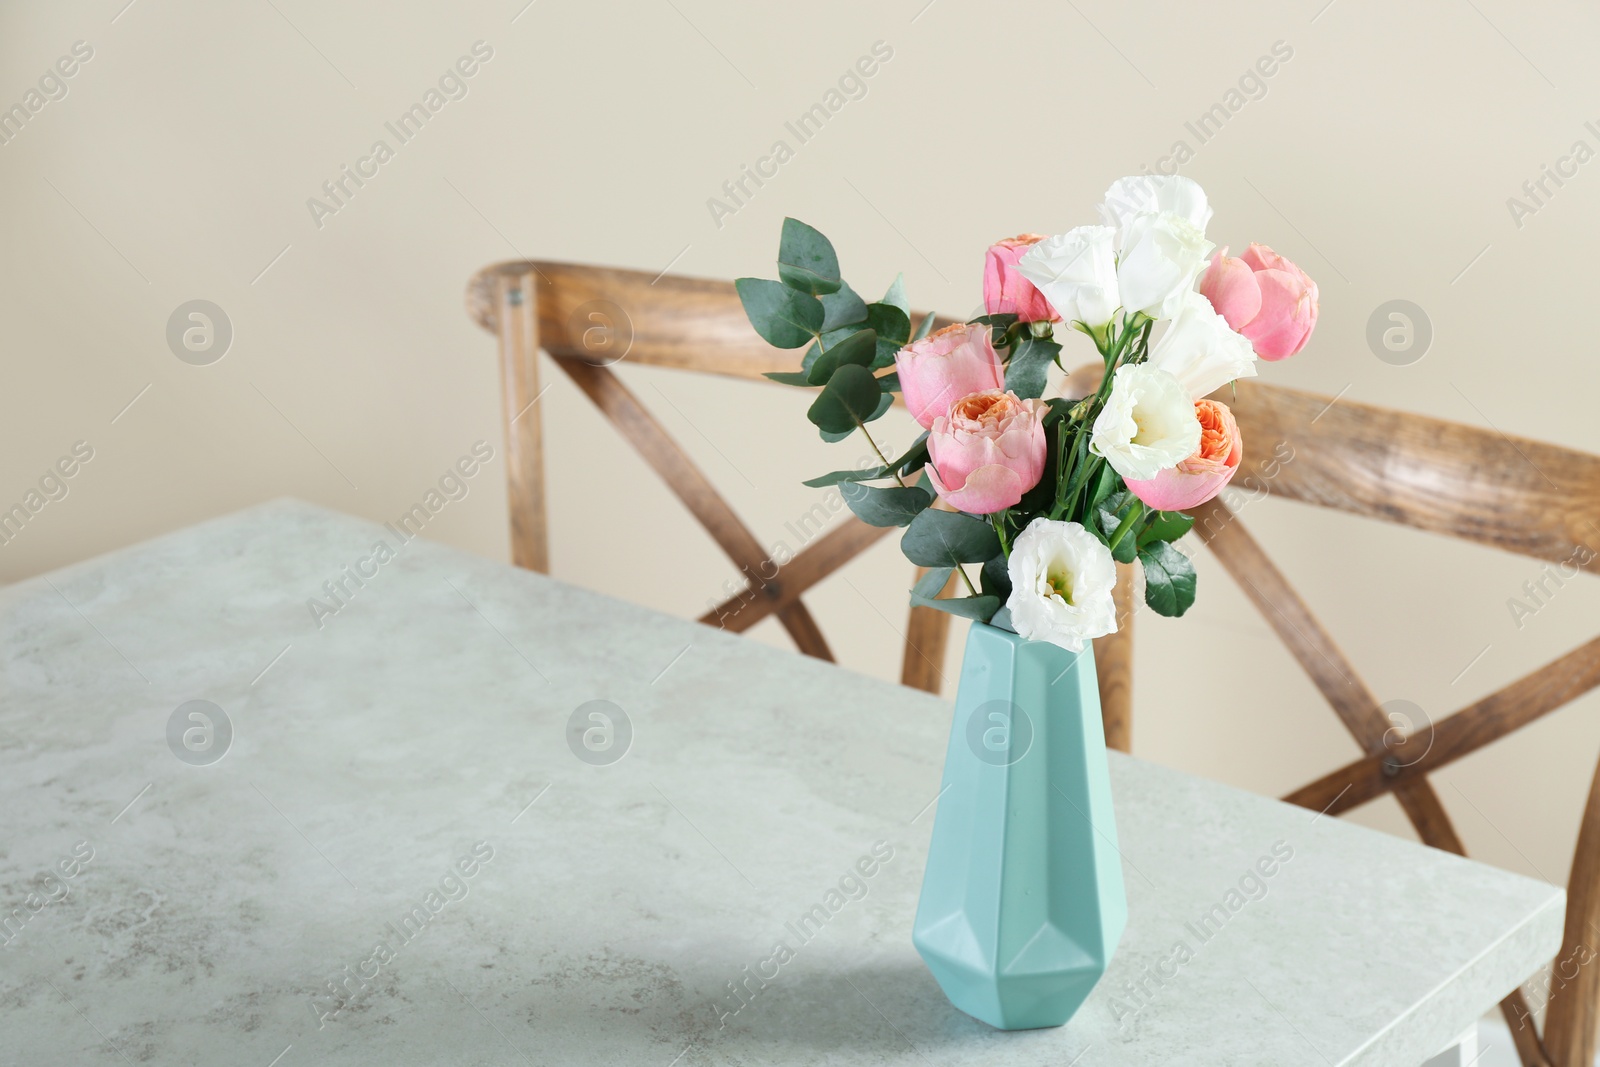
987 452
1201 476
1007 292
945 366
1265 297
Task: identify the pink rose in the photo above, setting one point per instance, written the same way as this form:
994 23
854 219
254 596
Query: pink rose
945 366
1201 476
1265 297
1004 290
987 451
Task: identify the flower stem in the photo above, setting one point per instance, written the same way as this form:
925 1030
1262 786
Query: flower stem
998 519
884 460
970 587
1128 522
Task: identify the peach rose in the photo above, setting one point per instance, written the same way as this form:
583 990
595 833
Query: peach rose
1265 297
1201 476
987 451
945 366
1004 290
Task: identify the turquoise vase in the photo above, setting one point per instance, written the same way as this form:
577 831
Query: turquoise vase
1022 902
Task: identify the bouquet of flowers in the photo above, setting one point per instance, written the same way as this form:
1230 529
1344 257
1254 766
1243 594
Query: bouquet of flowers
1044 495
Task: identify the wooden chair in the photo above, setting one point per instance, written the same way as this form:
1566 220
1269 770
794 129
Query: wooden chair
1522 496
587 318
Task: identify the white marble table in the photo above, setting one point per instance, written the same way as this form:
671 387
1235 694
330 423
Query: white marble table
403 775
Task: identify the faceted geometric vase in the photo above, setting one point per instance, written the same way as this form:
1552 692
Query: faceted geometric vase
1022 902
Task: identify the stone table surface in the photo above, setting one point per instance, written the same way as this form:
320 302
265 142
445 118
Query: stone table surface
400 857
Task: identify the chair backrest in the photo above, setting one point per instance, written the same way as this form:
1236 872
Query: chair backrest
1523 496
586 319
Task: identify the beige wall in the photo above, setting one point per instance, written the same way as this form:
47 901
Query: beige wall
179 164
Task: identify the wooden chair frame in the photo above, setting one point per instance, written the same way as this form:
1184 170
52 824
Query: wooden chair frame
587 318
1514 494
1522 496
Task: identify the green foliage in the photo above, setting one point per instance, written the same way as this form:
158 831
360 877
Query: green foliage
1001 322
1168 579
783 317
947 538
842 308
893 327
979 608
865 474
806 260
858 348
1110 515
932 583
913 458
886 506
897 295
996 577
850 399
1165 526
1028 369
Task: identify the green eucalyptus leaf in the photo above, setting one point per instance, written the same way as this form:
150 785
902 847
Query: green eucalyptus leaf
858 348
891 322
996 577
836 435
789 377
849 399
914 457
864 474
885 505
889 383
979 608
1168 579
828 340
893 327
885 402
783 317
1028 369
932 583
1001 322
946 538
842 308
806 260
897 295
925 327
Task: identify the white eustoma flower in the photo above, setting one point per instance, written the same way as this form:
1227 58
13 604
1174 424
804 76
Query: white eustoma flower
1161 256
1061 583
1201 350
1153 194
1147 425
1077 272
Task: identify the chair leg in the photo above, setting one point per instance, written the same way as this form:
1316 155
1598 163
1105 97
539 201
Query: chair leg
1575 1000
518 316
1113 664
927 634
